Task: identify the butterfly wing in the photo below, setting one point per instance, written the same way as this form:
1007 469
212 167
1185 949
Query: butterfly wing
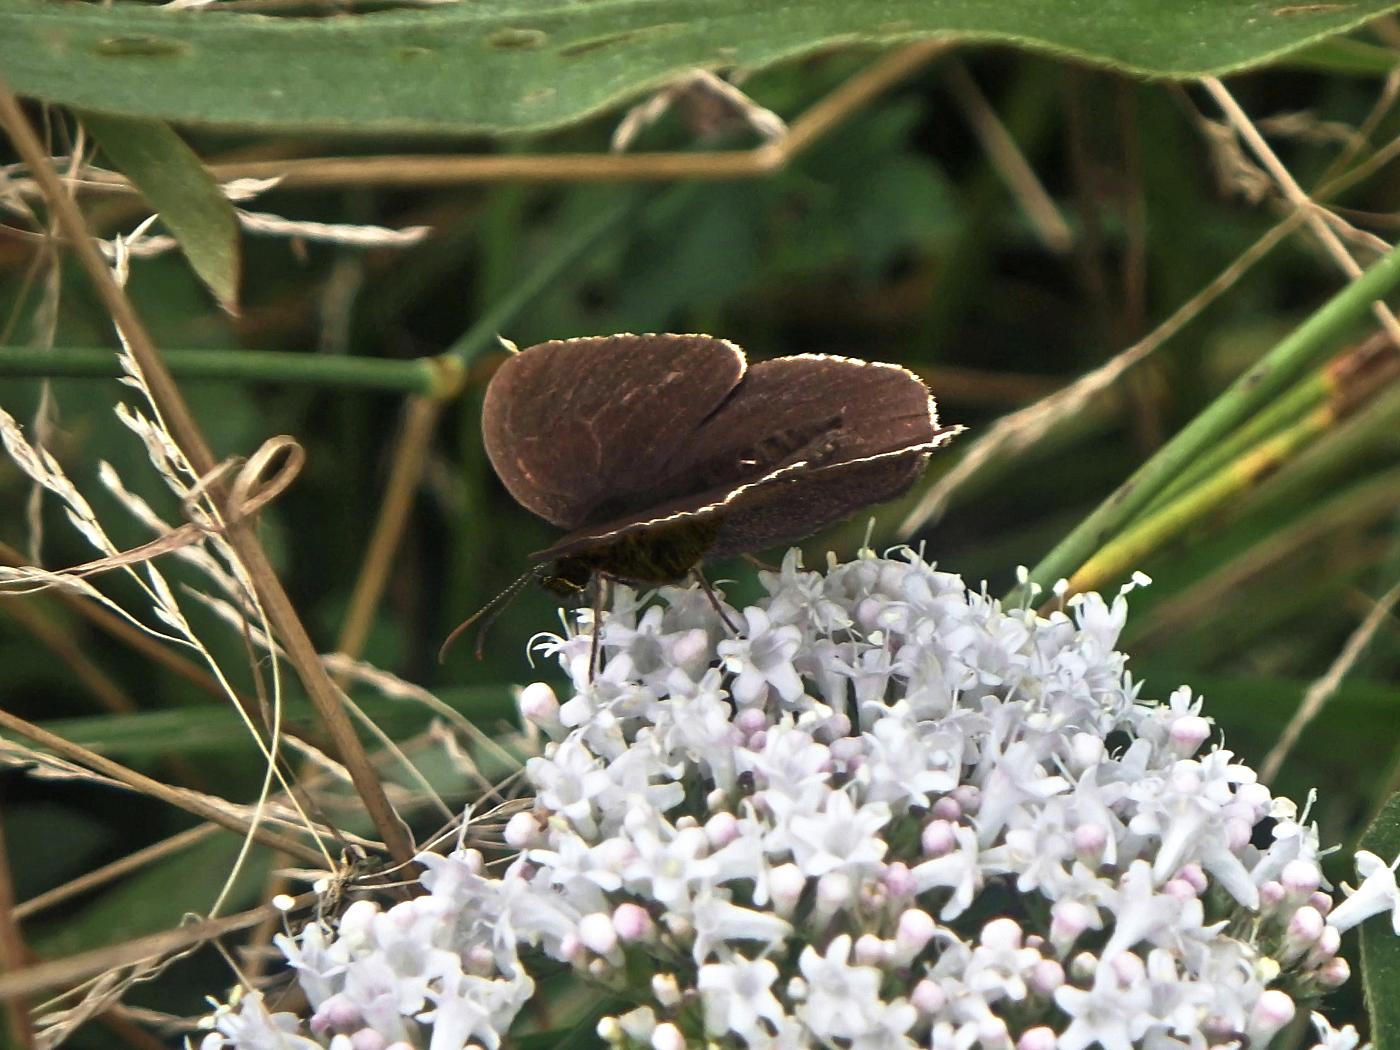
792 506
800 443
579 430
860 433
812 408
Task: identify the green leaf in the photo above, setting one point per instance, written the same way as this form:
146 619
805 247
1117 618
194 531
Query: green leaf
1380 948
176 184
500 66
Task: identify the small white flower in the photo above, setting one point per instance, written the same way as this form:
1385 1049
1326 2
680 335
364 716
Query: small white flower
1377 893
736 994
760 658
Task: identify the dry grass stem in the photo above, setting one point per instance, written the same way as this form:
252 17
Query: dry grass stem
1007 161
208 807
405 477
117 869
1295 195
64 973
1323 689
174 413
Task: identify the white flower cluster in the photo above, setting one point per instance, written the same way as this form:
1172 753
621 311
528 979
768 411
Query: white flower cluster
888 813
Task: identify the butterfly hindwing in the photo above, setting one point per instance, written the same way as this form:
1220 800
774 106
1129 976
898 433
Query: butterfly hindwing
810 408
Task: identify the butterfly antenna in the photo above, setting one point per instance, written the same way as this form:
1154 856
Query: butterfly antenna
489 611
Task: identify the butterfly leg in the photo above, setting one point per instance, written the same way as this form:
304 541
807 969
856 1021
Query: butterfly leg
759 563
714 600
601 584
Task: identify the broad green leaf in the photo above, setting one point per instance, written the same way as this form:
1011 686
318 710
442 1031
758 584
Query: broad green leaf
1380 947
175 184
500 66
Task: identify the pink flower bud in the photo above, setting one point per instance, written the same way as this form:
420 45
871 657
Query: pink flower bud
938 838
521 831
1045 977
1089 842
367 1039
899 880
539 705
721 829
870 950
1180 889
1272 1010
751 720
479 961
336 1014
1237 833
1038 1038
1068 919
947 808
969 797
667 1037
631 923
1129 969
1305 927
1188 733
570 948
992 1033
786 883
1334 973
915 929
1193 874
928 998
1004 934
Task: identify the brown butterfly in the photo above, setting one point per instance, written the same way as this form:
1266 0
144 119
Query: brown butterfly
656 452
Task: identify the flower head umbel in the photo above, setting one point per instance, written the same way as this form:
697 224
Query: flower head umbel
889 813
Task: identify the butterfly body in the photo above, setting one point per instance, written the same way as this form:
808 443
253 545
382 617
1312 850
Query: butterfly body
664 554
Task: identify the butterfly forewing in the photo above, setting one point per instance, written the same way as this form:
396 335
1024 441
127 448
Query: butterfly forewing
579 430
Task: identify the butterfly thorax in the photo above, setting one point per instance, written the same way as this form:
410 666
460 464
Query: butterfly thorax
659 553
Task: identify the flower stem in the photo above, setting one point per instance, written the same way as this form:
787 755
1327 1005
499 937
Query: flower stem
1303 349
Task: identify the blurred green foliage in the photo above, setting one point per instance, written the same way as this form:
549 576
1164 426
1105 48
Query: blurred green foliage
893 238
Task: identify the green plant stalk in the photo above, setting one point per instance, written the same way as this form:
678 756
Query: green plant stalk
425 376
1353 507
1354 437
1295 403
1351 380
1308 345
1120 556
